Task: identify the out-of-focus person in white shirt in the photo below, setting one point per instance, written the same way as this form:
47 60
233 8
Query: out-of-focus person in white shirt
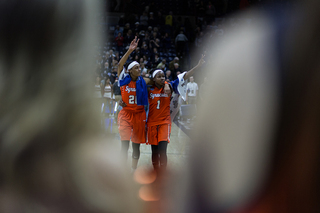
192 91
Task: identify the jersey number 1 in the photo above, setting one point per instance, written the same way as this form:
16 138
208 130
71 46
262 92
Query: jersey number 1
158 106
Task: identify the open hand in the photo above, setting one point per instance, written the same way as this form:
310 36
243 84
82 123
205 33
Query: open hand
167 89
134 43
201 61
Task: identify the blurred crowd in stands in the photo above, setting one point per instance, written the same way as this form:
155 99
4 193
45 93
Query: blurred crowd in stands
169 39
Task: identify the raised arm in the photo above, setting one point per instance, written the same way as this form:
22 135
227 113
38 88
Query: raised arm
190 72
132 47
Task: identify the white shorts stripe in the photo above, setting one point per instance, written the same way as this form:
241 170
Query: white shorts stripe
168 132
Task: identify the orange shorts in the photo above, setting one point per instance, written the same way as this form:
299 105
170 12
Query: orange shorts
159 133
132 125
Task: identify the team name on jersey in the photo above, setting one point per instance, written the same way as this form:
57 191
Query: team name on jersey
158 95
129 89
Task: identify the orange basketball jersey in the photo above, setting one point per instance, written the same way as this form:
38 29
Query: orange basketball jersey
159 107
128 94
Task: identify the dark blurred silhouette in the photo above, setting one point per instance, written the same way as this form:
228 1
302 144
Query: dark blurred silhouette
256 144
52 157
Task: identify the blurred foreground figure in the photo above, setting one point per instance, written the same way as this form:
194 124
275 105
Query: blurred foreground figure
51 156
256 146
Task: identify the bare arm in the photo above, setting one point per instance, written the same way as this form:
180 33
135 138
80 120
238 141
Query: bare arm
149 81
167 88
132 47
190 72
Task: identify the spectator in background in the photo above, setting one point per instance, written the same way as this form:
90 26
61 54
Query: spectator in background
107 97
141 60
151 20
143 43
136 54
145 50
149 30
99 59
143 74
162 64
156 44
169 19
168 76
146 61
116 57
156 29
107 58
159 19
154 35
106 70
201 9
155 59
166 42
143 68
121 20
181 41
128 37
137 28
119 39
171 64
210 12
199 40
98 70
144 20
114 63
146 38
113 75
178 26
135 58
117 30
126 29
152 56
176 71
98 93
192 91
136 34
116 96
155 51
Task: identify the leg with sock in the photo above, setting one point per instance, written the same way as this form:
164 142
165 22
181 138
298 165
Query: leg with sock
135 155
155 157
163 154
125 148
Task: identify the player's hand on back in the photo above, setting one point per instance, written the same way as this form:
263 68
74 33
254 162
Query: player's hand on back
167 89
123 104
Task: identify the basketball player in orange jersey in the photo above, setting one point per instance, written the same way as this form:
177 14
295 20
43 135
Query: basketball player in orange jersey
132 118
159 119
